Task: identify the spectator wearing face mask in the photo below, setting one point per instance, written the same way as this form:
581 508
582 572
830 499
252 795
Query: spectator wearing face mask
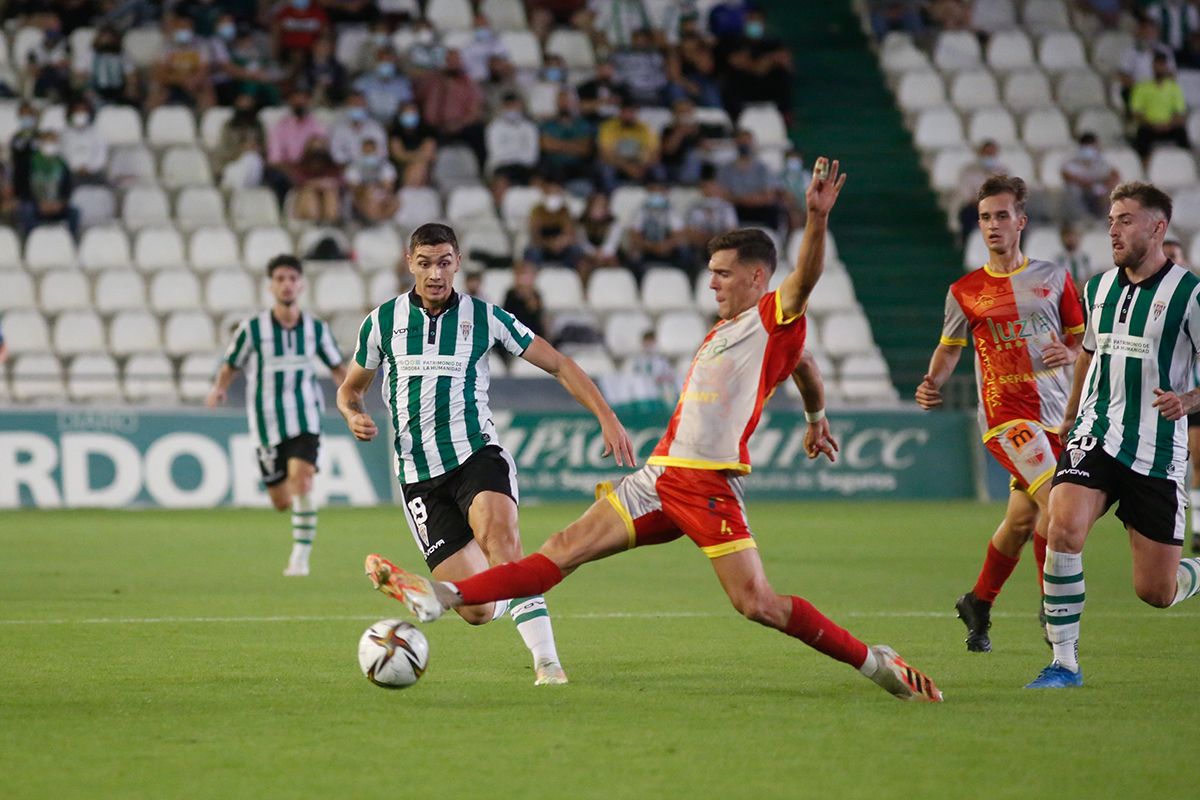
48 198
412 145
750 185
481 49
656 234
599 235
970 179
243 125
183 73
371 179
112 77
355 125
453 105
711 215
21 148
757 68
512 144
422 48
524 301
552 234
567 144
629 150
554 69
286 142
384 87
501 82
85 150
325 76
600 98
318 185
1087 180
295 27
692 69
682 144
795 179
50 62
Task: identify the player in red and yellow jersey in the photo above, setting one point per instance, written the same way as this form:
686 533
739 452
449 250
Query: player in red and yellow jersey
1023 318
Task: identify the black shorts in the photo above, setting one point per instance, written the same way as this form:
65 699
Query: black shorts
1194 420
272 461
437 509
1154 507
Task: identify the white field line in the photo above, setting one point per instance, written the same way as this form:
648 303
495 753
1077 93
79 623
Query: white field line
588 616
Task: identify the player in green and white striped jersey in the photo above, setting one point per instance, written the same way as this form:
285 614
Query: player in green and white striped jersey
278 349
459 485
1128 443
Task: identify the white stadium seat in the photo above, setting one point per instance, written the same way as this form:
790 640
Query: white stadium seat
252 208
449 15
1045 128
1041 242
338 289
1080 89
170 125
469 203
834 292
159 249
262 244
37 376
196 375
948 165
134 332
920 89
1169 168
611 289
78 332
899 54
705 297
143 207
229 290
119 125
130 165
212 125
505 15
995 124
1061 51
1186 214
623 332
679 333
496 283
105 247
486 239
973 89
120 290
185 166
97 205
768 125
418 205
626 202
199 207
956 50
174 290
560 288
935 128
377 248
1008 51
1026 90
574 46
523 49
1098 247
143 45
1108 50
865 377
49 247
455 165
149 377
93 377
1045 15
516 206
189 332
1104 122
213 249
383 286
25 331
10 249
16 290
666 289
1126 161
846 333
1050 167
63 290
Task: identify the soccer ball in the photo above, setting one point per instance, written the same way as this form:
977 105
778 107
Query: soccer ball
393 654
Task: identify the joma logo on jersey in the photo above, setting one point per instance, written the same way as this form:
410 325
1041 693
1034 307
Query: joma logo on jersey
1013 333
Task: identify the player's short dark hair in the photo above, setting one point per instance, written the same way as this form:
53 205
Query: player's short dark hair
1147 194
751 244
284 260
431 234
1004 184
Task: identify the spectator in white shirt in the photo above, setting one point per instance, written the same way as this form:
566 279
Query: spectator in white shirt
355 126
1137 64
484 46
371 179
84 149
512 144
1087 180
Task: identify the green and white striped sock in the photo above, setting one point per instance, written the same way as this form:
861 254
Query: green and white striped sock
1187 580
304 528
1063 604
533 623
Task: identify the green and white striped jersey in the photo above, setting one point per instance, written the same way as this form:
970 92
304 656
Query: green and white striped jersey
1143 337
282 396
435 376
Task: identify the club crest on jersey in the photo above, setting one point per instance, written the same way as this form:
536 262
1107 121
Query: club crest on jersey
464 329
1042 291
1157 309
1076 457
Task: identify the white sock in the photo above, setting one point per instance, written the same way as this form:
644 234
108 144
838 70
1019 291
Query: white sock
533 623
1194 502
1187 580
871 665
304 529
1063 604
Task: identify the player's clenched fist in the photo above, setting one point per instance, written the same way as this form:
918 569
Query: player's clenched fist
928 394
363 427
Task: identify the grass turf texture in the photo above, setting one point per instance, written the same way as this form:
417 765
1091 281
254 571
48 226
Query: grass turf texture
161 654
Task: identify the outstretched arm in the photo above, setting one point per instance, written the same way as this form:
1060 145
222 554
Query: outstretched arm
945 359
821 195
818 438
350 402
616 441
220 387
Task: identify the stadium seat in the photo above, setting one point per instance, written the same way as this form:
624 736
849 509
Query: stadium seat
666 289
144 207
338 289
53 118
81 49
899 54
377 248
834 292
935 128
418 205
199 207
1098 246
560 288
1126 161
845 333
947 167
1105 123
262 244
470 203
143 45
8 109
484 240
96 205
1009 50
1061 51
353 46
16 290
975 254
170 125
185 165
37 376
1045 15
705 298
93 377
623 332
189 332
449 15
516 206
1169 168
574 46
1020 162
120 290
26 40
104 247
1041 242
1186 213
26 331
212 125
496 283
864 377
1026 90
993 16
767 123
1050 168
381 287
10 249
612 289
626 200
49 247
130 165
229 290
974 89
455 165
309 237
1108 50
252 208
79 331
174 290
995 124
679 333
119 125
134 332
63 290
212 249
159 248
1080 89
269 116
196 373
956 50
1045 128
505 15
149 377
523 49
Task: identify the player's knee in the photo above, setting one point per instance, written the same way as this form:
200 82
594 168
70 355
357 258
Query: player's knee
476 615
1155 594
756 606
281 501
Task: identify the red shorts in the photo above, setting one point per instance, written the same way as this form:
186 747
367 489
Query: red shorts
1028 452
660 504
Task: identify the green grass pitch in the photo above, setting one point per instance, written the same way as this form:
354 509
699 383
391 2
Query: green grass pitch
161 654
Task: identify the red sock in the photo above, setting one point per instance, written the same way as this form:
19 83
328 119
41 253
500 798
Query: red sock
1039 552
824 635
532 575
996 569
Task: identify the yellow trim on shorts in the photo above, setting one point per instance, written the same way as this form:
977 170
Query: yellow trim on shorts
697 463
1032 488
779 320
728 548
605 490
953 342
996 430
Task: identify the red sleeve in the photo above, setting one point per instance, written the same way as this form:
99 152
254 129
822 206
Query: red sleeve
1070 308
771 313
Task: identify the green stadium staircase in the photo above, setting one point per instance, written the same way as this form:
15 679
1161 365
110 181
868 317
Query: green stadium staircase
889 229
